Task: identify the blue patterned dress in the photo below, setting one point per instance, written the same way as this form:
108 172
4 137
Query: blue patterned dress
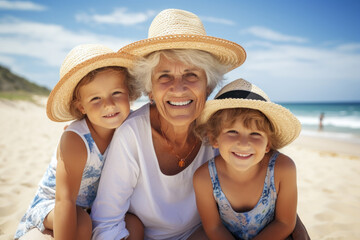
44 200
246 225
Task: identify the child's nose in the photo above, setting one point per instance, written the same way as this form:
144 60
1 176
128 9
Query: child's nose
242 140
109 102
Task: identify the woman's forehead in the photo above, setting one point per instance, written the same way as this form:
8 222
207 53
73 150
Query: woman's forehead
167 66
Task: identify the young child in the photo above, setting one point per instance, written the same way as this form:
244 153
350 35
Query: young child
95 89
249 191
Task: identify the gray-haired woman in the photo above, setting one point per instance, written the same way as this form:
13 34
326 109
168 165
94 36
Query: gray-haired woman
153 155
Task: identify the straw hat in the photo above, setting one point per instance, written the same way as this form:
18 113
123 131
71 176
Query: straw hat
242 94
78 63
179 29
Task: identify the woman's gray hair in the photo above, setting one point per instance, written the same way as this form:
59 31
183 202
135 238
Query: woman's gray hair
143 69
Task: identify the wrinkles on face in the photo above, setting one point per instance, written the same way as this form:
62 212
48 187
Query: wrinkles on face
179 91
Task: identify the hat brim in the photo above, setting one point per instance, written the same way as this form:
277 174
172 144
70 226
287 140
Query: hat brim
227 52
58 104
286 126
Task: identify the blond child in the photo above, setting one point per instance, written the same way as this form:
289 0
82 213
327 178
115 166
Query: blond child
94 89
249 191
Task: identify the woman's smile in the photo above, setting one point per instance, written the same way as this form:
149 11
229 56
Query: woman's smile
180 103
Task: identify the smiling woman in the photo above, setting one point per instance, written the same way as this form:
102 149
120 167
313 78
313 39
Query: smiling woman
154 154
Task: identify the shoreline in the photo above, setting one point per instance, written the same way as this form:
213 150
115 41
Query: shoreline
328 172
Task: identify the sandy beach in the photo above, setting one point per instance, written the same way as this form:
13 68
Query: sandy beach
328 172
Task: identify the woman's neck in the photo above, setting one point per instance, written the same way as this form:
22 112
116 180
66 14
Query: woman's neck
177 135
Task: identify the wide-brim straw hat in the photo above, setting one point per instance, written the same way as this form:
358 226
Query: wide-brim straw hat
78 63
179 29
242 94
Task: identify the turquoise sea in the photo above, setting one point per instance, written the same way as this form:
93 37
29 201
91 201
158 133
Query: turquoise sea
341 119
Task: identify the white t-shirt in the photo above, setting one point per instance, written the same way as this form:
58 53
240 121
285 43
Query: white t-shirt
132 181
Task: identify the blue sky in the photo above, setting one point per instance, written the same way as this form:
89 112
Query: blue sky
297 51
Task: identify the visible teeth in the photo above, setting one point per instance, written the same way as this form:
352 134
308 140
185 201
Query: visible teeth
180 103
242 155
110 115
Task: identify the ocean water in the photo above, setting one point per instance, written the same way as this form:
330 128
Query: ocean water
341 120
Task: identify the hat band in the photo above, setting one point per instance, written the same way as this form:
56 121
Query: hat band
241 94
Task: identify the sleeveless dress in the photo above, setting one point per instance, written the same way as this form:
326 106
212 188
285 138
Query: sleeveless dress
246 225
44 200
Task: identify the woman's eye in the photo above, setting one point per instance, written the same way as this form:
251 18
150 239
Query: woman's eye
164 78
191 77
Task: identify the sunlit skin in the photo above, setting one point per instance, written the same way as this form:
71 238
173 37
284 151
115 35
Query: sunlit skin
105 100
242 148
179 91
241 167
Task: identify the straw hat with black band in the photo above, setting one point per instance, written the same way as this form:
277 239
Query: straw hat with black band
242 94
78 63
179 29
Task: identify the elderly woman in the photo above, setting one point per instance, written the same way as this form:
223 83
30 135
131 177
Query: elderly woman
153 155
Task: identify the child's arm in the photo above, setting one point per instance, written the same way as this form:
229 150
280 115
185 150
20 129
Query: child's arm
285 213
72 155
207 207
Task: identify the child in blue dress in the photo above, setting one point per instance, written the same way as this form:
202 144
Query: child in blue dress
94 90
249 191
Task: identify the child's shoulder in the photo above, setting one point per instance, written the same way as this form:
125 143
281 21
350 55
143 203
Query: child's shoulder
284 164
202 171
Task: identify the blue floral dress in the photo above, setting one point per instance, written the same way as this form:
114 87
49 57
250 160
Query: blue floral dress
246 225
44 200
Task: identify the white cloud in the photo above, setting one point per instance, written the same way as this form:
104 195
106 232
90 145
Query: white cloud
119 16
217 20
6 60
289 72
350 47
21 5
36 50
301 62
271 35
47 42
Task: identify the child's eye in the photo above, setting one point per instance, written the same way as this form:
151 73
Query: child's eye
117 93
95 99
232 132
255 134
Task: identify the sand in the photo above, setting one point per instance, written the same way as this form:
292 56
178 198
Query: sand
328 172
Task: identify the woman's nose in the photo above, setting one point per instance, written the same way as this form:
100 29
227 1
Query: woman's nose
178 84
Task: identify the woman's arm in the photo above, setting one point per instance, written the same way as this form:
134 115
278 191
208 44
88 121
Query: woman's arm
207 207
72 155
286 203
117 182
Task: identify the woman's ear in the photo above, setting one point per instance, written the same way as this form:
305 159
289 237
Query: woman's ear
150 96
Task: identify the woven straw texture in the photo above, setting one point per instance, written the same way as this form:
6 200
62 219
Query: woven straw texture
287 127
78 63
179 29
